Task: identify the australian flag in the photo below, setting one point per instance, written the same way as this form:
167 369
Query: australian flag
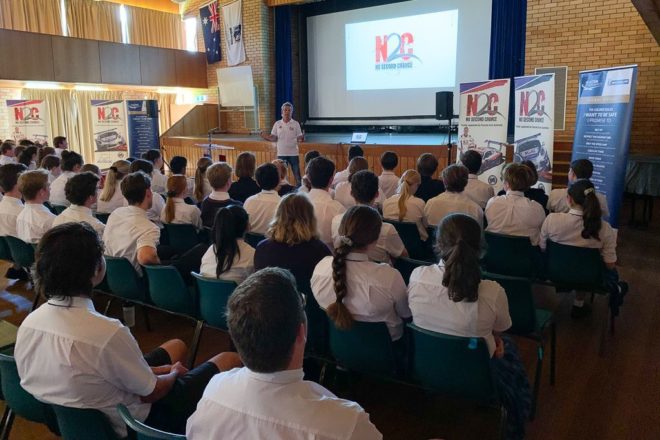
211 25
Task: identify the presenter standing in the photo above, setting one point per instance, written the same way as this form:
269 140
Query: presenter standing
287 133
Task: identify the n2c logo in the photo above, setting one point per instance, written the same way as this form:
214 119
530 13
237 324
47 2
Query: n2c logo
483 103
401 46
106 113
537 108
26 113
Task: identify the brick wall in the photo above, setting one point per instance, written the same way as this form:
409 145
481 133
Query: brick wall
589 34
6 93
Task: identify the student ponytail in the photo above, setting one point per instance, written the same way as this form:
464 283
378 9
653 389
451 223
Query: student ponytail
200 176
176 186
408 180
360 226
118 170
583 194
230 224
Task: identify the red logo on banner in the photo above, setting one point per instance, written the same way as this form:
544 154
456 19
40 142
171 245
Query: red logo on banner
26 113
482 103
108 113
538 106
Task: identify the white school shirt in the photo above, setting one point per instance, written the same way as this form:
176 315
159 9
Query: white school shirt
388 246
58 151
480 192
4 160
157 205
287 137
515 214
432 309
57 194
243 404
340 176
557 202
33 222
69 354
10 208
388 182
158 182
79 214
184 214
129 229
261 208
414 213
325 209
449 202
376 291
51 178
116 201
566 228
241 268
343 196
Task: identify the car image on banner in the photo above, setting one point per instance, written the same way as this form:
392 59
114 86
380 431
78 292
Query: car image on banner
110 140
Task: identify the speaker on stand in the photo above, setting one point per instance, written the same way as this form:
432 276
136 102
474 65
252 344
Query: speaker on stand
444 110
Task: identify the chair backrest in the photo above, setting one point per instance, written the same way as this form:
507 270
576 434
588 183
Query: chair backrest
521 302
83 424
572 266
168 291
213 297
409 234
58 208
181 237
317 321
102 216
366 348
50 207
5 252
22 253
124 281
143 431
511 255
253 239
407 265
452 365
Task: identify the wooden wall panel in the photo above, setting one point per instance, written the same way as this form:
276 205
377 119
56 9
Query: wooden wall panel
26 56
157 66
76 60
120 63
190 69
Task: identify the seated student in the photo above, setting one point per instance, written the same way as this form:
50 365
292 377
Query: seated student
176 210
219 177
158 180
11 206
51 163
178 165
7 153
405 207
111 197
284 187
29 157
581 169
388 181
480 192
268 398
306 184
157 205
364 187
262 206
69 354
71 164
293 240
43 152
18 150
60 144
35 218
513 213
455 178
343 188
229 257
202 187
350 287
245 186
536 194
450 298
342 176
81 192
427 165
320 172
91 168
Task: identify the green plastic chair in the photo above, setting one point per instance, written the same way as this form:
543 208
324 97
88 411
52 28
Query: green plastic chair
406 266
5 252
124 281
511 255
365 348
58 208
317 323
22 253
143 431
83 424
50 207
181 237
213 297
253 239
417 249
102 217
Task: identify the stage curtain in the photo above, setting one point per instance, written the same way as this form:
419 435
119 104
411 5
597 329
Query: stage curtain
155 28
40 16
283 68
93 20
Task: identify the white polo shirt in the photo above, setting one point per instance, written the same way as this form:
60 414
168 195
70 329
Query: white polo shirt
376 291
261 207
68 354
57 195
557 202
129 229
343 195
184 214
388 182
33 222
241 268
566 228
432 309
10 208
449 202
157 205
325 209
414 213
158 182
340 176
243 404
79 214
116 201
388 246
287 137
515 214
480 192
4 160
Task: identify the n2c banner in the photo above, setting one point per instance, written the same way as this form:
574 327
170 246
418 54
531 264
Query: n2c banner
534 129
143 132
28 119
109 129
483 120
602 129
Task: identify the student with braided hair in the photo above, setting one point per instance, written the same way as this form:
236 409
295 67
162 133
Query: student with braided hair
350 287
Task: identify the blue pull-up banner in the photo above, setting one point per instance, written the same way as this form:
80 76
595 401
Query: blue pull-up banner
143 132
602 129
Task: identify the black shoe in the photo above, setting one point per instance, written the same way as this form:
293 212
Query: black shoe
580 312
13 273
23 275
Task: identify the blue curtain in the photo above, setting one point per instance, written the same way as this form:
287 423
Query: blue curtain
283 75
507 43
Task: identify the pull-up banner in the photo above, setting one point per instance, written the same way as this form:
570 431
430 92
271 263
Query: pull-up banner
142 126
483 118
28 119
602 129
109 128
534 129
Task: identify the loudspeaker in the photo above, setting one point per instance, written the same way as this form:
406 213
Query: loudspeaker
444 105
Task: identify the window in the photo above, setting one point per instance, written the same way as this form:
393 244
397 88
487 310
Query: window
123 18
190 25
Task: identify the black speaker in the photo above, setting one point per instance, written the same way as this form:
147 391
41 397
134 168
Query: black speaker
444 105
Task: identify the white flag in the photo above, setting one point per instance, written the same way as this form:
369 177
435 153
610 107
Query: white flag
234 33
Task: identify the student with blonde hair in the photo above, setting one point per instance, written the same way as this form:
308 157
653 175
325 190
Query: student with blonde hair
284 186
176 210
111 197
219 177
35 219
202 185
343 188
405 207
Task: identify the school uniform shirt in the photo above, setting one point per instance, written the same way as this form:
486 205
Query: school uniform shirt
287 137
388 182
10 208
129 229
184 214
243 188
58 151
261 209
340 176
388 246
116 201
79 214
51 178
376 291
243 404
4 160
158 182
432 309
414 213
515 214
211 205
157 205
33 222
69 354
300 258
57 195
325 209
450 203
429 188
557 202
566 228
241 268
480 192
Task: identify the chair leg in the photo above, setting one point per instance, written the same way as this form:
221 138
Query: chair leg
553 351
612 318
6 429
537 380
194 346
503 417
107 307
603 334
145 314
5 416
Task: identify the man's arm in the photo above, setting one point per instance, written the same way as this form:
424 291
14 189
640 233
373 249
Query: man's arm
268 137
147 255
